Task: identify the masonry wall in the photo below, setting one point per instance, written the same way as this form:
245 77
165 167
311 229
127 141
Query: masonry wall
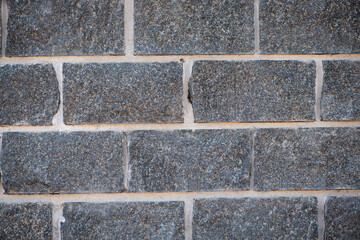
159 119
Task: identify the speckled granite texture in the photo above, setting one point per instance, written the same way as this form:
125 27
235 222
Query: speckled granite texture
341 90
251 218
315 26
185 160
54 162
131 220
307 158
194 27
26 221
29 94
229 91
57 27
122 93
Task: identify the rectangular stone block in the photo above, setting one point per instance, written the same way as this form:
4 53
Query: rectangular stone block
307 159
127 220
341 91
255 218
30 221
193 27
61 162
185 160
342 218
315 26
122 93
29 94
57 27
228 91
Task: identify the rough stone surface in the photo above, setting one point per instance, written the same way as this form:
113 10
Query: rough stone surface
342 218
27 221
302 159
315 26
185 160
29 94
226 91
57 27
341 90
132 220
122 93
60 162
251 218
194 27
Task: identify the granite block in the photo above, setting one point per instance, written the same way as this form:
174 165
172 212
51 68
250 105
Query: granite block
307 159
193 27
341 91
255 218
130 220
26 221
29 94
185 160
122 93
62 162
229 91
305 27
58 27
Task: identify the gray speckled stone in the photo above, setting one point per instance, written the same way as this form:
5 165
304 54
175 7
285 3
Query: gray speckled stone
226 91
29 94
185 160
60 162
315 26
341 90
342 218
132 220
251 218
309 158
57 27
122 93
27 221
194 27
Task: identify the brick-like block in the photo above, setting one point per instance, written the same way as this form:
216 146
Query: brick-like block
314 26
26 221
57 27
193 27
227 91
185 160
306 159
59 162
342 218
132 220
251 218
29 94
122 93
341 90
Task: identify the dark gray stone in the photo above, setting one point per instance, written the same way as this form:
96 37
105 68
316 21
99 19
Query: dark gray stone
306 159
251 218
342 218
185 160
226 91
29 94
341 91
194 27
58 27
60 162
132 220
315 26
122 93
27 221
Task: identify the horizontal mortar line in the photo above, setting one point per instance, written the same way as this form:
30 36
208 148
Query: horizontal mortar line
170 196
177 126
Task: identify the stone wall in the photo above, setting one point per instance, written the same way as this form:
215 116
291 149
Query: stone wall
180 119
